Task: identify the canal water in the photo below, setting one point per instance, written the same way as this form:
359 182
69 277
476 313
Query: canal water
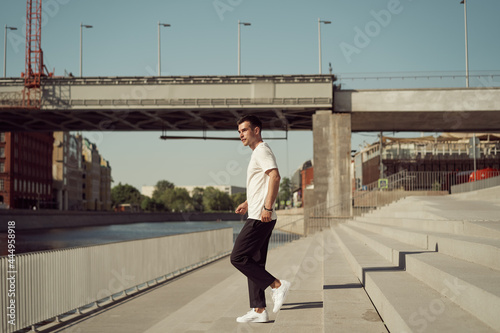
50 239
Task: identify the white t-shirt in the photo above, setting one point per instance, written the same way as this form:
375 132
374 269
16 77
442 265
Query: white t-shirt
261 161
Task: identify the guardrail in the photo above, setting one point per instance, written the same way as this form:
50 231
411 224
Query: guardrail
45 285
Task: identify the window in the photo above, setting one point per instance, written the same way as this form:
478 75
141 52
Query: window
2 137
2 151
2 185
2 167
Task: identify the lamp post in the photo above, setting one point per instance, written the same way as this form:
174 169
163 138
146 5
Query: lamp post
81 43
466 46
5 50
239 43
159 45
319 44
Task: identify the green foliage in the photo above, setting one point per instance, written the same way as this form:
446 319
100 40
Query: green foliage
197 199
167 197
238 198
121 194
176 200
285 192
161 187
215 200
150 205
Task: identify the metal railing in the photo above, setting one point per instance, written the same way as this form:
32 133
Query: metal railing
45 285
379 194
197 102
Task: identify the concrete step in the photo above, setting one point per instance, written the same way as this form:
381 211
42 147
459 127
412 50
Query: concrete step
405 303
489 229
346 306
303 309
473 287
479 250
390 249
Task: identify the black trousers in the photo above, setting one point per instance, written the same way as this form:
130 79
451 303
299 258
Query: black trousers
249 257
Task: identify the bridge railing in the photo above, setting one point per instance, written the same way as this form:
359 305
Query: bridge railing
45 285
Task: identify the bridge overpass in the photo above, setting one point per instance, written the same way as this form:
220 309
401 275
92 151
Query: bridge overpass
214 103
287 102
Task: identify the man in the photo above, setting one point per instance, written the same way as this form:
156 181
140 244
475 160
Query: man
250 248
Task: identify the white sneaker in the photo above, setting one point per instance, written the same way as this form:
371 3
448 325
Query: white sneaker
279 295
254 317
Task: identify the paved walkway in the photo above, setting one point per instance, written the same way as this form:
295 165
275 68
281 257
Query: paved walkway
325 296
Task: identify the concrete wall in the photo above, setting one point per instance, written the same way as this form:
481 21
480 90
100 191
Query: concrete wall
291 220
30 220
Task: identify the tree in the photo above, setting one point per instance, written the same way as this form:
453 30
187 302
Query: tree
215 200
176 200
121 194
285 192
161 187
238 198
197 199
150 205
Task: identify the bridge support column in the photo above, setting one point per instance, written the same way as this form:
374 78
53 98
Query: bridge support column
332 162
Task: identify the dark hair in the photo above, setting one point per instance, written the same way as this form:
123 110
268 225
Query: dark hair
253 120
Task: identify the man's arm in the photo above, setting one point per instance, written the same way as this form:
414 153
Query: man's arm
242 208
272 193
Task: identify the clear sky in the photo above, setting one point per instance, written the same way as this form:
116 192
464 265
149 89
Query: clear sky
367 38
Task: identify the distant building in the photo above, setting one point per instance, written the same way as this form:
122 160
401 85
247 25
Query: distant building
447 152
105 189
26 170
96 192
67 171
148 191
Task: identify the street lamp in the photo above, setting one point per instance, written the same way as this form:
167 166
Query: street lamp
5 50
319 38
239 43
82 26
466 47
159 45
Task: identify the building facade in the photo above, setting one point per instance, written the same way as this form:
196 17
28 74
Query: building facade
91 175
96 186
67 171
449 152
26 170
105 186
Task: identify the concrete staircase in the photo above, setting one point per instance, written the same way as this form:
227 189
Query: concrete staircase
430 264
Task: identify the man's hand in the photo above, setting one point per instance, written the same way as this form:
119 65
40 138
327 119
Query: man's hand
242 209
265 216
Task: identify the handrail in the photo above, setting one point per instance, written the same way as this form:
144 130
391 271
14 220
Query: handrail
50 283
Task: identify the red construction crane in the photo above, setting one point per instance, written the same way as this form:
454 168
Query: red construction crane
34 67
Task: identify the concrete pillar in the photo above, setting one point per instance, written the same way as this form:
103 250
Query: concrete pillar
332 162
